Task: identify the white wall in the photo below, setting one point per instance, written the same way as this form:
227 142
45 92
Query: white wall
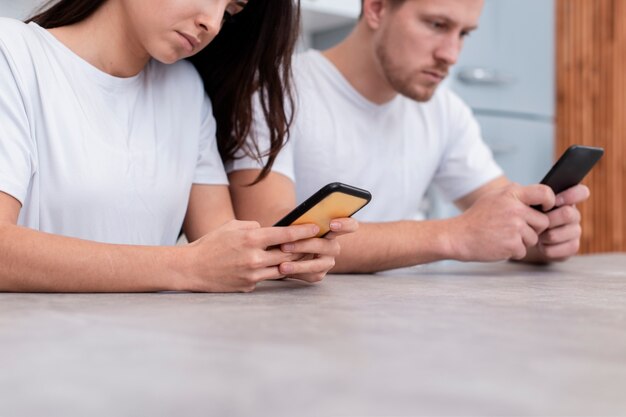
330 19
19 9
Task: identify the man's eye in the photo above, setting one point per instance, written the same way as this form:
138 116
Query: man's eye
438 25
227 17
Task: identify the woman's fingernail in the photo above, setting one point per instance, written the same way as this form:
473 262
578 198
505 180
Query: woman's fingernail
286 268
559 201
288 247
335 226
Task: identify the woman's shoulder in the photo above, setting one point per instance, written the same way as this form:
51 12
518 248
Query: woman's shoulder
14 32
13 26
18 46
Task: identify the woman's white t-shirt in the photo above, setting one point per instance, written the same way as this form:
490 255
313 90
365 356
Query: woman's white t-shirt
395 150
98 157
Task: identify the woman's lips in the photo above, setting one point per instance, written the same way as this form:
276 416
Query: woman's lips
189 42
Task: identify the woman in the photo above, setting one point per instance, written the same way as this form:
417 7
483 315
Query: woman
107 144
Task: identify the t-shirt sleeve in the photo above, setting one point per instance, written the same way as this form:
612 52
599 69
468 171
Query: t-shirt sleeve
260 139
209 168
467 162
17 149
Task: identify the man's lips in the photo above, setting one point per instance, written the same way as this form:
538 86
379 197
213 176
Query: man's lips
436 74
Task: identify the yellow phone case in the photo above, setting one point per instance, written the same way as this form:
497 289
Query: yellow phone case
333 201
335 206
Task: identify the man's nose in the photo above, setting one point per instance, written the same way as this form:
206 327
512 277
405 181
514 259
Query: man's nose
449 50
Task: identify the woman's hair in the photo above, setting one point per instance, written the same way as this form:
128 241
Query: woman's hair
251 55
64 12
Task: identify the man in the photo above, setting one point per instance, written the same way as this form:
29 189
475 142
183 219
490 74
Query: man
369 114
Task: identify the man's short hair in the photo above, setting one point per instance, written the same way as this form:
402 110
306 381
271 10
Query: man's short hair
394 2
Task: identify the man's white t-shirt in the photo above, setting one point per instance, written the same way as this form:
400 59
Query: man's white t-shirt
98 157
395 150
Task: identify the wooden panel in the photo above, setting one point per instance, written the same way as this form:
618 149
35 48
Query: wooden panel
591 109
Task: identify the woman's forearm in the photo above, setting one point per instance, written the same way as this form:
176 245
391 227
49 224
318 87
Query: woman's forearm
32 261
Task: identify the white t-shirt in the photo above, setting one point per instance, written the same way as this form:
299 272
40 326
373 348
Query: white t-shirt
395 150
99 157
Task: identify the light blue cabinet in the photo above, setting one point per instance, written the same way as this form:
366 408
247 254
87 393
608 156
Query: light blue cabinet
522 147
508 63
506 75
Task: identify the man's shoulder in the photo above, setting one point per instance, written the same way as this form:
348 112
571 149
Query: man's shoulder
304 60
307 66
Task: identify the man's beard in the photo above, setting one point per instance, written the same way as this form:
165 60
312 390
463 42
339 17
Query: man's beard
403 86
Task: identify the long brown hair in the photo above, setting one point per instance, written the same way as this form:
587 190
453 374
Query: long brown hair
251 54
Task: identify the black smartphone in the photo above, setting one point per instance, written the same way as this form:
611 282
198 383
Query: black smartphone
572 167
333 201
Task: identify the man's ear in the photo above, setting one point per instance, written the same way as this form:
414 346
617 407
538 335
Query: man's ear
373 12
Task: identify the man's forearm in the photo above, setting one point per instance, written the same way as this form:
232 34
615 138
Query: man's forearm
380 246
32 261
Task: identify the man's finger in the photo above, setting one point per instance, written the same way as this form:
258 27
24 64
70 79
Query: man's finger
561 234
529 236
536 195
563 215
574 195
561 251
537 220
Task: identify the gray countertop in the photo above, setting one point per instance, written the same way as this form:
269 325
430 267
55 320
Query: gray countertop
448 339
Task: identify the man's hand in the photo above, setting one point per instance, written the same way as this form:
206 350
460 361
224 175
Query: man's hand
562 237
501 224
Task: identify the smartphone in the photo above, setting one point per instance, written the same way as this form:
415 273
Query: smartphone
333 201
572 167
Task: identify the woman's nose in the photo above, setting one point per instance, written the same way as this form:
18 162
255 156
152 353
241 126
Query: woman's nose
210 21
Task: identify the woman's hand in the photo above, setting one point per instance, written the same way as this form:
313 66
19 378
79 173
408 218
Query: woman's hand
316 256
238 255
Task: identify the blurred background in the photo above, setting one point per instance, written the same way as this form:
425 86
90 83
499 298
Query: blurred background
540 75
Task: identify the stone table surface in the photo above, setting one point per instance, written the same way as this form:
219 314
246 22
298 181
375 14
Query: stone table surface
442 339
